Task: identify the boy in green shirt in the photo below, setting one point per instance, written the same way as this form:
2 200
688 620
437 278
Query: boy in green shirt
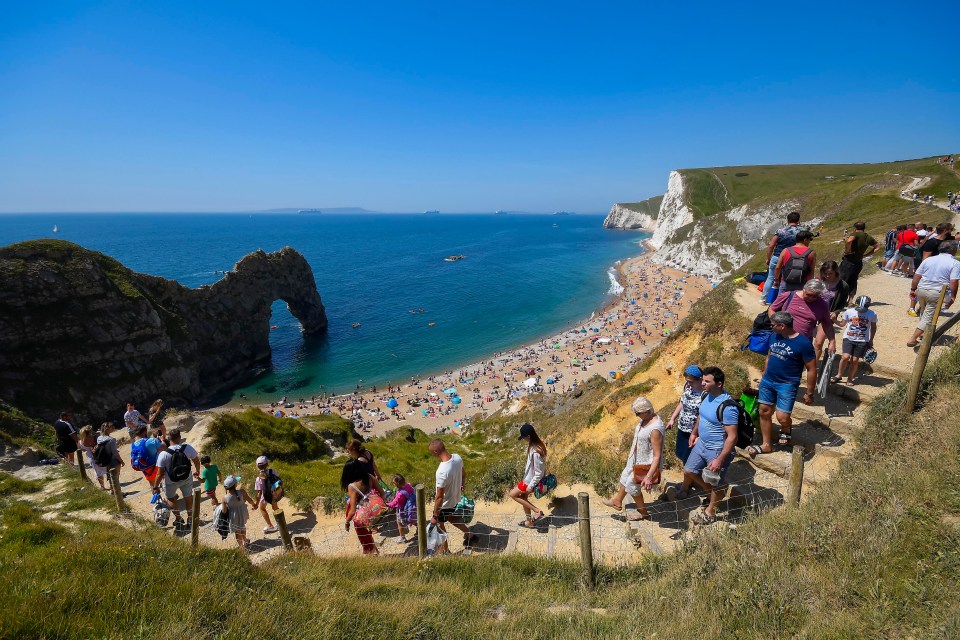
211 478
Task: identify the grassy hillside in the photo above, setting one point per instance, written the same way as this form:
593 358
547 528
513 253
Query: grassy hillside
650 206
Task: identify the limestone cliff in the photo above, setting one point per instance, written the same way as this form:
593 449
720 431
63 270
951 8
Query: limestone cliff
634 215
79 330
674 212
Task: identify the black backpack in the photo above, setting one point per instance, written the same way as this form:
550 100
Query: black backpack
797 267
745 428
103 455
179 467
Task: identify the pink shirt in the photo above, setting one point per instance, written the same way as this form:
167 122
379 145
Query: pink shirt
805 314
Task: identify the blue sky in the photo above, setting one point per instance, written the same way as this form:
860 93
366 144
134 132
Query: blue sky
536 106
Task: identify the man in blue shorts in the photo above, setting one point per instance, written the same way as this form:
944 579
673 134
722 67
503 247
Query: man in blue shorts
711 445
790 353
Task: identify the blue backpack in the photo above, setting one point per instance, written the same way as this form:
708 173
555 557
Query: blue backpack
140 456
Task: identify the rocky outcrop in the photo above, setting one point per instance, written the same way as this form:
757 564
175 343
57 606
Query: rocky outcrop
79 330
674 212
634 215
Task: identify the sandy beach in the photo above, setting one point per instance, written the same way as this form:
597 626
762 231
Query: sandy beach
653 302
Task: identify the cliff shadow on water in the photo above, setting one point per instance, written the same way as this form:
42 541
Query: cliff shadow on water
81 332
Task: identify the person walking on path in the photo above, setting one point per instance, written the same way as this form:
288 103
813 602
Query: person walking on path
67 438
860 327
106 452
808 309
133 419
358 483
404 502
358 452
269 491
783 237
836 292
858 246
687 411
156 415
796 264
173 470
210 475
645 461
934 272
451 477
907 243
87 442
790 353
712 443
533 473
235 501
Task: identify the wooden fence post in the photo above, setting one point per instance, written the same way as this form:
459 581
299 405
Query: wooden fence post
796 477
923 354
195 519
586 541
117 493
81 466
421 521
284 532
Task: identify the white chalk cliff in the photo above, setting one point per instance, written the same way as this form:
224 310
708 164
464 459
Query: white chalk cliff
674 212
623 217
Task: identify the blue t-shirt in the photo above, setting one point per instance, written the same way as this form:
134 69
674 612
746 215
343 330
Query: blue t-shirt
787 356
711 433
787 237
152 446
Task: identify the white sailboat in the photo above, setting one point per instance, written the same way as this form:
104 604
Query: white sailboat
55 228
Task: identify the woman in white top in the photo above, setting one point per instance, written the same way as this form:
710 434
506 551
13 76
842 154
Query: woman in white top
646 450
532 475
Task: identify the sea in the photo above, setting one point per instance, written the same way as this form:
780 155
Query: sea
522 278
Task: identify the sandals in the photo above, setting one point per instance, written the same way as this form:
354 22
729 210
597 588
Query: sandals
834 379
785 439
636 516
912 344
702 518
613 505
755 450
540 517
527 524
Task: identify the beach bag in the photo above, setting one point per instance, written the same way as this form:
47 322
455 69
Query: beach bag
758 342
545 486
435 538
750 402
640 471
370 509
221 519
161 513
102 455
757 277
464 510
179 467
797 267
272 487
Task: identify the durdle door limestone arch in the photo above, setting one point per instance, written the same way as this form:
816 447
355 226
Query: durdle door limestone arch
78 330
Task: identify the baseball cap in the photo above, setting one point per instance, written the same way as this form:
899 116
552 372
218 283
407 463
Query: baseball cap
229 482
693 370
262 460
526 431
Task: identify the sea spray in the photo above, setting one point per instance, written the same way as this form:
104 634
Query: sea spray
615 287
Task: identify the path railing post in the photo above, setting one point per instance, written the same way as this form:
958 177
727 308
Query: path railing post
82 466
796 477
421 521
195 519
115 485
923 354
284 532
586 541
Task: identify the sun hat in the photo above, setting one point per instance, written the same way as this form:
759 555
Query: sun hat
641 405
693 370
262 460
229 482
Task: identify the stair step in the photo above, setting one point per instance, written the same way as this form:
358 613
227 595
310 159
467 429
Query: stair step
866 389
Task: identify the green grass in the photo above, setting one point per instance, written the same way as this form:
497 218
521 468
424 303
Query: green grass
19 429
650 206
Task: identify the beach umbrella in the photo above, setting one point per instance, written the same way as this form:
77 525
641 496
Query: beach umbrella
629 322
596 330
549 380
633 302
450 392
456 400
618 376
556 346
392 403
613 374
574 362
424 411
583 330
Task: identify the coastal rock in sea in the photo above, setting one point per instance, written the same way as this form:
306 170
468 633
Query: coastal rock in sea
634 215
80 331
674 212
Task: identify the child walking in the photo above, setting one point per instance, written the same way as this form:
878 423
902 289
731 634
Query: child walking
210 474
405 503
235 500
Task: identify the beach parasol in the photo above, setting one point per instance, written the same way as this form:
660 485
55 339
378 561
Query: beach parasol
392 403
629 322
549 380
450 392
456 400
613 374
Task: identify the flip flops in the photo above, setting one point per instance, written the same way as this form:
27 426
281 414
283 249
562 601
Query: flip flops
702 518
610 503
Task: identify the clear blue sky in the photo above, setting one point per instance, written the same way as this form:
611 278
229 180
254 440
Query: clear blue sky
537 106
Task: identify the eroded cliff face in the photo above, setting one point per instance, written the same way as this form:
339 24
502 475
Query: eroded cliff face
640 215
80 331
674 212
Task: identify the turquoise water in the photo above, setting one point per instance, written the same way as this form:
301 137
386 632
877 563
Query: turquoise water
522 279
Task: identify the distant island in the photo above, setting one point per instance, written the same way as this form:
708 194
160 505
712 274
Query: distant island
563 213
315 210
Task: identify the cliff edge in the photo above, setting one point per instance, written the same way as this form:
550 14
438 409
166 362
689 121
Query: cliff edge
80 331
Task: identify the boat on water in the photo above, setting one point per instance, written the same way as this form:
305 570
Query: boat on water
355 325
499 212
431 213
55 229
454 258
563 213
302 211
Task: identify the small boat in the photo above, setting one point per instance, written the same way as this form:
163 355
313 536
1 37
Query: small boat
431 213
355 325
499 212
274 326
55 229
454 258
555 226
431 324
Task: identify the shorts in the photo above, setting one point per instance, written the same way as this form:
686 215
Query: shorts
171 488
782 394
449 515
523 488
907 251
700 457
66 446
211 493
683 448
855 349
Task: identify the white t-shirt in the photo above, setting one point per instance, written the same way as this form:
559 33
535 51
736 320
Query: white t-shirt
937 271
858 324
132 418
533 472
450 479
163 460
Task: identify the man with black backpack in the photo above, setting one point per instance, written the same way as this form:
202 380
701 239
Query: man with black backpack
796 264
712 442
173 469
